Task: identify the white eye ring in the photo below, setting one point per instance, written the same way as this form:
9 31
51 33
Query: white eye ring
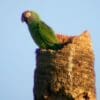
28 14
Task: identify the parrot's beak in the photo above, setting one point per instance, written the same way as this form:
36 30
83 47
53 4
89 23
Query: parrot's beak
25 16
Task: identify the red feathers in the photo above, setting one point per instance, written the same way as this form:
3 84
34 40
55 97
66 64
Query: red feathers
64 39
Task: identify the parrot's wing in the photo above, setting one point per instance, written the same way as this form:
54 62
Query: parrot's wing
47 35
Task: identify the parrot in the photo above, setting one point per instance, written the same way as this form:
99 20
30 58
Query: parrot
42 34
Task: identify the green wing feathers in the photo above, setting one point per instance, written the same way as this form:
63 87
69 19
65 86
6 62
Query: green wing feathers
47 34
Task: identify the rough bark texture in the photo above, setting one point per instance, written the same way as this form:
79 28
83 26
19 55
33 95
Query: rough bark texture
66 74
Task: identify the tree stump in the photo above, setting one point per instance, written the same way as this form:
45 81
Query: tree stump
68 73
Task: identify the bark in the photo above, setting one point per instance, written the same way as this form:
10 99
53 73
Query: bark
66 74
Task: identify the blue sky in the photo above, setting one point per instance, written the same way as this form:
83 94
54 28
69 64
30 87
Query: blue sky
17 49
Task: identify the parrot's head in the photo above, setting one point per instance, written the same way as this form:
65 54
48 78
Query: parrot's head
30 17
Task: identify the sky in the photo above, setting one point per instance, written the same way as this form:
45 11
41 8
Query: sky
17 49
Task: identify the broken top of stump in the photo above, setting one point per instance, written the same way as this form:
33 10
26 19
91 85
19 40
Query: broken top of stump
68 73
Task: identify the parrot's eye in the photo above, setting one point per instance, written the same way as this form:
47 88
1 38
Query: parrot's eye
27 14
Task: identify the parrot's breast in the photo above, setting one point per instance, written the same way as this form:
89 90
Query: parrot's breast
36 35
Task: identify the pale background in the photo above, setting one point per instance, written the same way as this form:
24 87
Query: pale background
17 50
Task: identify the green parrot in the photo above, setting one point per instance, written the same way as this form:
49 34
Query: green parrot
42 34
